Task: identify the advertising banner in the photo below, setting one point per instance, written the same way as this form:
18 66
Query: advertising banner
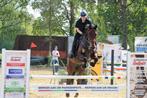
15 73
140 44
137 75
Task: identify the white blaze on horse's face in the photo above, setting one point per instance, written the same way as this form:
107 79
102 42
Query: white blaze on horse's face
90 45
92 61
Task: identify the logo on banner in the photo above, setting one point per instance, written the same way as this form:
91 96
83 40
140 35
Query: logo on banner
15 58
15 71
139 62
16 64
14 76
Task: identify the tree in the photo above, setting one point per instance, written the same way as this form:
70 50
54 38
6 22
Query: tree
13 17
136 10
117 17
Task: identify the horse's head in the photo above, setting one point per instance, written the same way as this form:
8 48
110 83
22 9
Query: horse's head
90 35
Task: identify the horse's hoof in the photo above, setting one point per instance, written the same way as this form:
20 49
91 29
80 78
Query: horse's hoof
67 95
76 95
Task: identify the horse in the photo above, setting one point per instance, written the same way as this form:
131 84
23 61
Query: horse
86 55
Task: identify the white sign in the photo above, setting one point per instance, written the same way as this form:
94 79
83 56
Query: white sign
140 44
15 73
137 75
107 53
70 42
114 39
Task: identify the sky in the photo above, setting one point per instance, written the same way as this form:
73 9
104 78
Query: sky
35 13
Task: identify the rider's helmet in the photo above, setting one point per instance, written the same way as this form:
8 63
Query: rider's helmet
83 13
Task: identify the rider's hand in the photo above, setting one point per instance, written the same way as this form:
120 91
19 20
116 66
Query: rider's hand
80 33
77 30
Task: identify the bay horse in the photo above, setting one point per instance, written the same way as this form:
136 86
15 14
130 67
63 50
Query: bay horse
86 55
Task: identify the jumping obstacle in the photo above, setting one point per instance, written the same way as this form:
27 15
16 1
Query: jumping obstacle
75 88
15 69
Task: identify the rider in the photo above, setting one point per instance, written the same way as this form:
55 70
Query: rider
80 29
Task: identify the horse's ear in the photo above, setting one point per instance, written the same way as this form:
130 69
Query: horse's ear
95 27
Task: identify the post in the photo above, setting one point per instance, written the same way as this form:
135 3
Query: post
128 75
112 66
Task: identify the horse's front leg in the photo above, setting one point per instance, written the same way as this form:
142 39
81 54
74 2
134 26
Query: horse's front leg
69 82
81 81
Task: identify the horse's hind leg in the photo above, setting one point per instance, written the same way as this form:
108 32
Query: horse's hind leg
67 95
69 82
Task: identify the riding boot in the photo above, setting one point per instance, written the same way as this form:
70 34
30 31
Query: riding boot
72 55
72 51
74 48
75 45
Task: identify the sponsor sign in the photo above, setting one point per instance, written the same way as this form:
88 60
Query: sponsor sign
140 44
15 67
137 75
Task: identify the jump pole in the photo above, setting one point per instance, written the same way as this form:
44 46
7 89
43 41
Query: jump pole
112 66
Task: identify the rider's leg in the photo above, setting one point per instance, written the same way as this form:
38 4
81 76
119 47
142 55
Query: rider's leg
74 48
75 44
